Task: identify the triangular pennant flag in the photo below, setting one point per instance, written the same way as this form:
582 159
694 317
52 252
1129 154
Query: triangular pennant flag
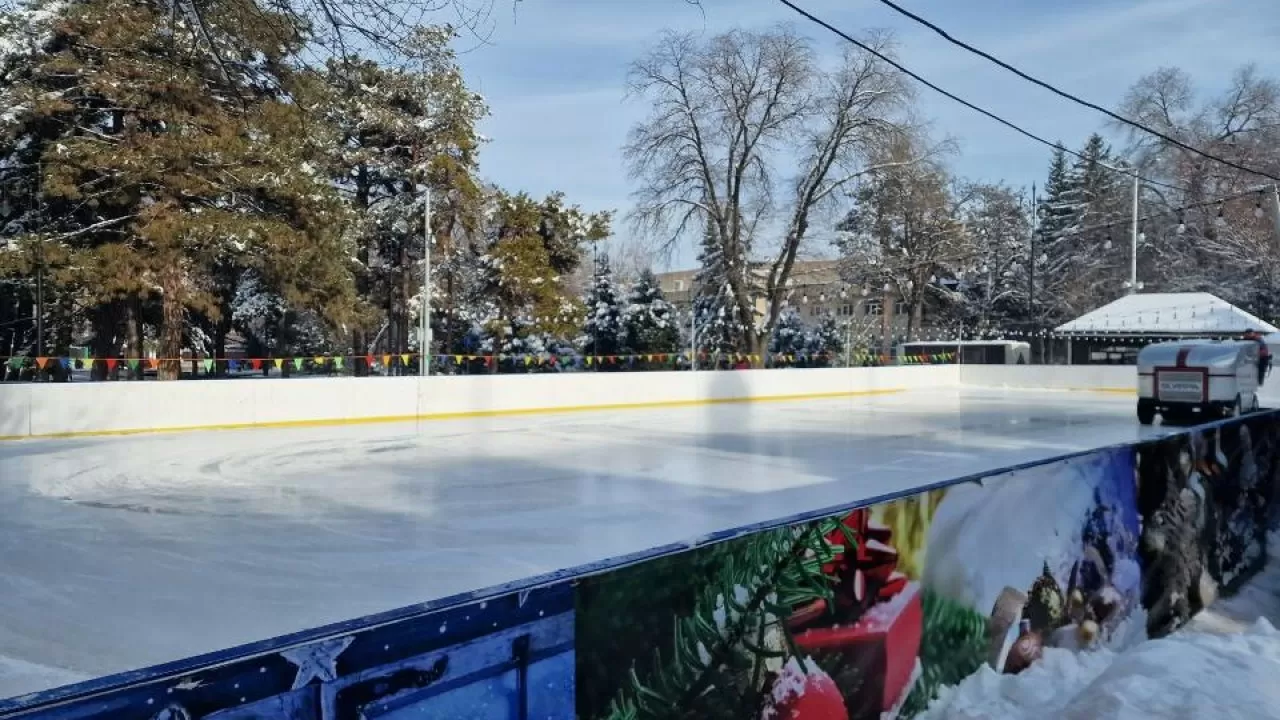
319 360
297 363
233 365
386 361
528 360
613 359
65 362
648 358
338 362
404 359
153 363
207 364
41 362
278 362
133 364
368 360
111 364
457 359
87 363
588 360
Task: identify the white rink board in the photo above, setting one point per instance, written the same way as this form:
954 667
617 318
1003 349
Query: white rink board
68 409
122 552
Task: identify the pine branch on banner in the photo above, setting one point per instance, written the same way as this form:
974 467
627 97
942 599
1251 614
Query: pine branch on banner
726 646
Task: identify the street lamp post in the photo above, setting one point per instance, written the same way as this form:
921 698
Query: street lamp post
424 332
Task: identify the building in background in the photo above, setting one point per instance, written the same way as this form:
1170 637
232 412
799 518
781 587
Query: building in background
816 291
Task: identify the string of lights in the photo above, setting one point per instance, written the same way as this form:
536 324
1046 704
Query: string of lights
1064 94
1181 211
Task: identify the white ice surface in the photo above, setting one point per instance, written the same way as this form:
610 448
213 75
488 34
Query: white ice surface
1223 664
118 553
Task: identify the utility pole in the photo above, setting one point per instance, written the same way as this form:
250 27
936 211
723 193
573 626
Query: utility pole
424 332
1133 257
1031 265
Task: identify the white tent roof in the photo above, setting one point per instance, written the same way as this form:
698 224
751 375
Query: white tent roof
1167 314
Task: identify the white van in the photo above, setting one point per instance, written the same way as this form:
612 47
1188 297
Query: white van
1203 379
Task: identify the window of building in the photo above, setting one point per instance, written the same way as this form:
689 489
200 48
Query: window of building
872 308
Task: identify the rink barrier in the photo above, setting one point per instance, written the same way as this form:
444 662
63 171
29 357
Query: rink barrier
1113 379
69 410
65 410
931 560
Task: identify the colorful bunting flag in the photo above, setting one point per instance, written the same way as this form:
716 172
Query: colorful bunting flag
133 364
297 363
153 363
404 358
279 362
338 362
207 364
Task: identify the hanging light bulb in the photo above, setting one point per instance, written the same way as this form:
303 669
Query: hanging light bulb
1221 220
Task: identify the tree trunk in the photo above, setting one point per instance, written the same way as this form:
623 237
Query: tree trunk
171 325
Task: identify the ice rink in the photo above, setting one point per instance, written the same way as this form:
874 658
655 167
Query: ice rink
117 553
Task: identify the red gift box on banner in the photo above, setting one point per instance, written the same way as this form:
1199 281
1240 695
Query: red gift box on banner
883 644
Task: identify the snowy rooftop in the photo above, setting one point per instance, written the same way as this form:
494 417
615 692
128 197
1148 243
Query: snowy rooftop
1167 313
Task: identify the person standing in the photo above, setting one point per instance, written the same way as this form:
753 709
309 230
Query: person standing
1264 354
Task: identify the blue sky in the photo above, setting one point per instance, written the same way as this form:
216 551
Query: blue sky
553 73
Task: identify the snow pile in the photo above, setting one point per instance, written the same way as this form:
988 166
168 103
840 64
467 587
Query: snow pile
1222 664
1182 676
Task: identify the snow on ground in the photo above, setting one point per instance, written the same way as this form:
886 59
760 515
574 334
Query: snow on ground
1223 664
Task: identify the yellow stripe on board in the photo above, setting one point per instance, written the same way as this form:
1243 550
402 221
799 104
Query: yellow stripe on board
334 422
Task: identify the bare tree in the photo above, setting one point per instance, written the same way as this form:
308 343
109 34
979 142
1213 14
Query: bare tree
1227 248
750 139
905 230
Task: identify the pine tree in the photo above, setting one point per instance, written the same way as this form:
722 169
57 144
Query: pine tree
826 342
603 328
713 308
530 249
401 130
650 323
789 334
160 171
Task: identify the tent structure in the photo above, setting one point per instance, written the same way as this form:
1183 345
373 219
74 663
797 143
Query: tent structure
1115 332
1165 315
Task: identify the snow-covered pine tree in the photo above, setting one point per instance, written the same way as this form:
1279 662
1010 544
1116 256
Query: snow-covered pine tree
826 342
528 252
603 329
789 334
650 323
713 308
401 130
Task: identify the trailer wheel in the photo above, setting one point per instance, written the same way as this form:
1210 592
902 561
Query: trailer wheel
1235 409
1146 413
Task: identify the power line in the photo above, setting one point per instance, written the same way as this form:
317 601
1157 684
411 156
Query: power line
952 96
1062 93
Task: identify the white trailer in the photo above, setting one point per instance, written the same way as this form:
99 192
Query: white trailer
1182 381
